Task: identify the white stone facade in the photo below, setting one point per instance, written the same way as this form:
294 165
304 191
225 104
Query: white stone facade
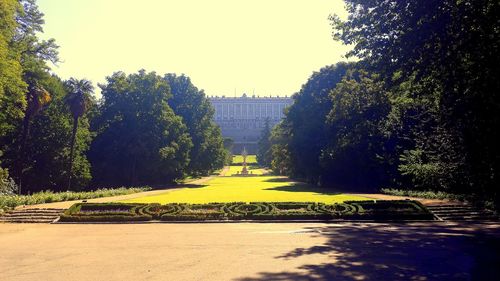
243 118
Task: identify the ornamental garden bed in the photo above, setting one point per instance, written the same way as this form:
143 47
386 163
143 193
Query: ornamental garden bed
254 211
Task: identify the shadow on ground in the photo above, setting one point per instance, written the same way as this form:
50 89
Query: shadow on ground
399 252
303 187
280 179
182 185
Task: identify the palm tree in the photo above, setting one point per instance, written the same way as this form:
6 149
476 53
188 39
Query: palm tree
36 99
78 100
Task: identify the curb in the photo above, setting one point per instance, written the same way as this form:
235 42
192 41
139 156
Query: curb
250 221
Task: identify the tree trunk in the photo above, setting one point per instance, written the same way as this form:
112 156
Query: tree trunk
72 150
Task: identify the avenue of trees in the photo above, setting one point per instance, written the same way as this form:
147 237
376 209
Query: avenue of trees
420 109
55 135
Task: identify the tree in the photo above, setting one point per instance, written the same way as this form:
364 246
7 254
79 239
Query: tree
358 152
12 87
48 146
37 98
21 100
207 153
440 62
79 100
281 162
139 139
264 154
304 123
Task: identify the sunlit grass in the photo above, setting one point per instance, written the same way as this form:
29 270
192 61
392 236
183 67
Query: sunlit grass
247 189
238 159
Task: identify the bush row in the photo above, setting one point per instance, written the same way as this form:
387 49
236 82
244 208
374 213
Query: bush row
11 201
362 210
428 194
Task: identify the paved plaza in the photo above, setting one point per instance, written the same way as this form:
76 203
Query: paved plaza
250 251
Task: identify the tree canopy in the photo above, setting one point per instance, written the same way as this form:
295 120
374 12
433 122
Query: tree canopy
139 138
418 110
207 153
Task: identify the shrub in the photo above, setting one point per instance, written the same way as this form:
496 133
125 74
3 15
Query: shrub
7 184
11 201
428 194
359 210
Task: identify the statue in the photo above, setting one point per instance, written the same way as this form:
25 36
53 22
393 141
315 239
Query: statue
244 153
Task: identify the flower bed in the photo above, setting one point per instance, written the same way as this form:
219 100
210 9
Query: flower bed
266 211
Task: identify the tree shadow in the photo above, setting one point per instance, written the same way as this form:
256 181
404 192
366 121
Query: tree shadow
173 186
426 251
304 187
281 179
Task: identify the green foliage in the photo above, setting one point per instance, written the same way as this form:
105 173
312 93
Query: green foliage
281 162
139 137
356 152
264 154
417 111
7 184
48 146
304 125
12 87
427 194
441 65
12 201
79 100
208 153
359 210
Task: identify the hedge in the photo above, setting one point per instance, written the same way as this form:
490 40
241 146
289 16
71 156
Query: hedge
358 210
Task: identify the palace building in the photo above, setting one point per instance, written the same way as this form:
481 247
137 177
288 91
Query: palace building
243 118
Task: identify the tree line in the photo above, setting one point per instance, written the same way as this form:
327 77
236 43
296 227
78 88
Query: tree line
54 134
419 109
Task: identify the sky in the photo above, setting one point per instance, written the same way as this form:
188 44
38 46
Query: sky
226 47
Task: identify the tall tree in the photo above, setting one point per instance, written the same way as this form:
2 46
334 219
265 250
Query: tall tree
31 54
358 151
441 61
37 98
12 87
305 122
264 154
79 100
281 162
190 103
48 146
139 138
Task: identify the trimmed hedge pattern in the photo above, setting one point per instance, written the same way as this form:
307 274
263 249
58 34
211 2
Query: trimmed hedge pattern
357 210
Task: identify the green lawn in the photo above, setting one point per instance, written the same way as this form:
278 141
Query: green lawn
238 159
247 189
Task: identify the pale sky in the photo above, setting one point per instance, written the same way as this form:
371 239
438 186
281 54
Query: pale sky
266 47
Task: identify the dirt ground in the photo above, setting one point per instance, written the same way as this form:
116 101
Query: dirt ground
250 251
